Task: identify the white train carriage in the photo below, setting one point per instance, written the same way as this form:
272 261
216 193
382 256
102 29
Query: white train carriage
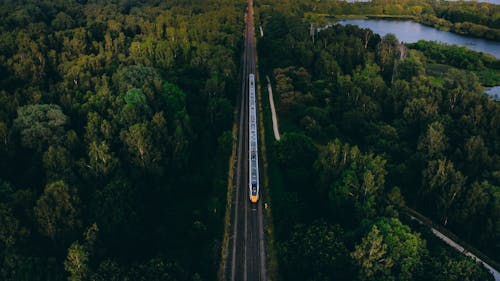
253 155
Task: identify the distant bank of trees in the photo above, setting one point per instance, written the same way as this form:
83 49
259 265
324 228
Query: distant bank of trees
441 57
113 134
471 18
366 131
457 56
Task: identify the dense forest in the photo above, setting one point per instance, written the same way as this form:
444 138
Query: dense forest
370 127
115 121
115 135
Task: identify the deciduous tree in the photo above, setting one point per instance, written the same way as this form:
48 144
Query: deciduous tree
40 125
56 210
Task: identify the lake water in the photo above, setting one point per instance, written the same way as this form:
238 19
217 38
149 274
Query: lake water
496 2
411 32
494 93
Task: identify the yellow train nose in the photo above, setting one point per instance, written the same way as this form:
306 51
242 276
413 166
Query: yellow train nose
253 199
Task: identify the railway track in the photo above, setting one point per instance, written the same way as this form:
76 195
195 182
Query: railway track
246 253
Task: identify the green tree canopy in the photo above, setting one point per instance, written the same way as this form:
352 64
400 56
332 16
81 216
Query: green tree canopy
76 263
433 143
463 269
315 252
390 251
442 186
354 179
56 210
135 97
40 125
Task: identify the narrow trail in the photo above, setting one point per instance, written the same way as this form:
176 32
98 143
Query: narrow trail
461 249
455 245
273 110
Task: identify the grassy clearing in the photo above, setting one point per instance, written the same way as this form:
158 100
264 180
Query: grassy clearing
487 77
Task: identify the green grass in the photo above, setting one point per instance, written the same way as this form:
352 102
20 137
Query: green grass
487 77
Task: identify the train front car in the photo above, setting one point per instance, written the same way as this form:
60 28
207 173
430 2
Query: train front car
253 155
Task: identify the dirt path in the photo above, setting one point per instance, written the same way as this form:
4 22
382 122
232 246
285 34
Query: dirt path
453 244
461 249
273 110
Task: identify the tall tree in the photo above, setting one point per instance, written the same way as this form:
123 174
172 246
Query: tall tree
390 251
433 143
315 252
442 186
463 269
56 211
388 53
478 160
354 179
40 125
57 163
101 159
78 259
139 143
76 263
372 257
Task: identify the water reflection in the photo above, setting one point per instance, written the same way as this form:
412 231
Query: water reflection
494 93
410 32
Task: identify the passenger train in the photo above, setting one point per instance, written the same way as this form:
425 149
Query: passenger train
253 155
